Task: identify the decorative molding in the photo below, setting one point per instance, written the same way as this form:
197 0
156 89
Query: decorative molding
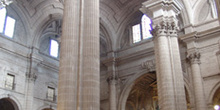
149 65
165 28
195 36
151 7
194 58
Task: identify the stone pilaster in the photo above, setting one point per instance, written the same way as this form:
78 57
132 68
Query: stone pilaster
29 96
31 76
194 59
79 74
171 93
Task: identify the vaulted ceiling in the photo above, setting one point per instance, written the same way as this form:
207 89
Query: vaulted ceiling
115 15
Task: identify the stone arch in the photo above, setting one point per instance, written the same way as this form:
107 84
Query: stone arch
127 88
188 89
21 23
201 6
39 33
125 30
54 13
47 107
185 13
213 92
15 102
106 35
49 33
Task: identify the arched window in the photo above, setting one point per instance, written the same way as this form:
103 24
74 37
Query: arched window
7 23
142 30
54 48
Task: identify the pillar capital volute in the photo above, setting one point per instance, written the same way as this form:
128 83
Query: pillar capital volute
194 57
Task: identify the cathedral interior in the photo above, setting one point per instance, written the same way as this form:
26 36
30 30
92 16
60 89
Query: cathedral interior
110 55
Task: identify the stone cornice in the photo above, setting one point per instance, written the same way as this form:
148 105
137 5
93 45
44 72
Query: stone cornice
200 35
189 37
155 5
50 66
132 57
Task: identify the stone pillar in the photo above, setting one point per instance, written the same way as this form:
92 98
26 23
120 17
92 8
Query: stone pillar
112 95
112 81
180 96
200 102
171 93
164 69
79 71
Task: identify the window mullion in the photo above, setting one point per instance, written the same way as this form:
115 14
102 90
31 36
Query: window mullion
141 31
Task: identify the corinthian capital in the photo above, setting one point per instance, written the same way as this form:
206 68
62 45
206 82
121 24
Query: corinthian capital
164 28
172 28
194 58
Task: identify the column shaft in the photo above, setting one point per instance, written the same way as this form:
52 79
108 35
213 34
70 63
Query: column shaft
171 93
180 97
164 73
29 95
198 87
112 95
200 102
79 82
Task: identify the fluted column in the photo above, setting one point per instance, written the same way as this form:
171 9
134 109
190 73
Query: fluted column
79 74
163 68
180 96
200 102
171 93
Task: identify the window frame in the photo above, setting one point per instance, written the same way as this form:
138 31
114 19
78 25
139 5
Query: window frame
139 22
48 97
10 85
50 47
5 25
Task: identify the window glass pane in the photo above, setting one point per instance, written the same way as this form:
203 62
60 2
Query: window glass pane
9 29
54 47
2 19
136 33
146 27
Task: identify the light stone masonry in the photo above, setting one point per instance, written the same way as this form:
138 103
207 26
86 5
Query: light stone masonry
79 85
